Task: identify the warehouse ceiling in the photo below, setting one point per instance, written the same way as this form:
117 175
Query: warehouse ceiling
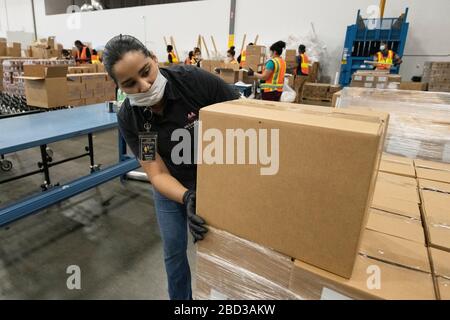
61 6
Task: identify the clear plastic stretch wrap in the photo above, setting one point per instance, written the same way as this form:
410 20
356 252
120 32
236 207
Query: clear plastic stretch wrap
231 268
419 124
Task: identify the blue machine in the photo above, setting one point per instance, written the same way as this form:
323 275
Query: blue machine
363 39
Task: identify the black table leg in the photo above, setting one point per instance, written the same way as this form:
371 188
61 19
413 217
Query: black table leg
45 167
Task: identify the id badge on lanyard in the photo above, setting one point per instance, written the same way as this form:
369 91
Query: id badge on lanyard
148 143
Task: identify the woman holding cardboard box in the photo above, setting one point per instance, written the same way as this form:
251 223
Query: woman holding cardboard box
273 74
160 103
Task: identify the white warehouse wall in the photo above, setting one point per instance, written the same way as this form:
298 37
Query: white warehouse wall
272 20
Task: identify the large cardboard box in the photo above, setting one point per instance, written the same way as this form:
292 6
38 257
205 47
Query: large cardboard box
387 268
436 209
318 190
245 78
397 194
74 90
397 165
430 170
229 76
45 86
396 225
255 50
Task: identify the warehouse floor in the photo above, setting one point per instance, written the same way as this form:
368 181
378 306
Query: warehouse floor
110 232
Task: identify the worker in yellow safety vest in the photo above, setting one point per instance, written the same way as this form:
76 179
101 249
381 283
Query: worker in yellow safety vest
83 54
95 58
386 59
273 74
243 57
303 62
172 58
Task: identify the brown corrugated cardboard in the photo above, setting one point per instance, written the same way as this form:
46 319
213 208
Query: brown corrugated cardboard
91 100
434 185
229 76
436 210
418 86
45 86
397 165
394 276
255 50
396 225
444 288
431 170
87 93
245 78
74 90
76 103
395 250
397 194
292 210
14 50
441 267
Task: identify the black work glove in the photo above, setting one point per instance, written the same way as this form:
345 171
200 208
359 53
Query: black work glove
250 72
195 222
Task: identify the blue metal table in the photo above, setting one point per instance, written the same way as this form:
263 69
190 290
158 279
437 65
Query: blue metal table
38 130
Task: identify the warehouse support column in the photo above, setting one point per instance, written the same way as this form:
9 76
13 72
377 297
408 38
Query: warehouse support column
382 6
34 20
232 21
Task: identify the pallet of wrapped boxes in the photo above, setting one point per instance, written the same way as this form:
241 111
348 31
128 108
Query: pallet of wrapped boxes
90 88
376 80
318 92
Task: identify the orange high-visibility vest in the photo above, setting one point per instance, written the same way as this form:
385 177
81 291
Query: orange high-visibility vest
174 57
304 64
385 62
243 58
95 59
83 57
276 79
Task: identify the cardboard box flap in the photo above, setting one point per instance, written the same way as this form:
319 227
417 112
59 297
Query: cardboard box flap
394 250
436 206
444 288
441 262
391 186
396 225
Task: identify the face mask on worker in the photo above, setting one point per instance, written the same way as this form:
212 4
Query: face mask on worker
382 48
228 59
151 97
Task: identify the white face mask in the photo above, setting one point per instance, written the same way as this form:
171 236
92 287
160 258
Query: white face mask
382 48
152 96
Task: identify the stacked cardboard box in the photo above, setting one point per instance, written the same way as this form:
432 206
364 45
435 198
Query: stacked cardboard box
291 59
255 58
437 74
441 269
45 49
319 91
278 204
89 88
45 86
13 70
10 49
376 80
418 86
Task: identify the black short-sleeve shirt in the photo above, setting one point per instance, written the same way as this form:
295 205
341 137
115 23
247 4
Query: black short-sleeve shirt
188 89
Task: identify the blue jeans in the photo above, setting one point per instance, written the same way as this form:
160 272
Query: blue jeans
172 221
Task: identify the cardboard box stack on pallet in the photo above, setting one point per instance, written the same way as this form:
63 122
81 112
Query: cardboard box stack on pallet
89 88
437 74
418 127
45 49
376 80
298 214
51 86
13 70
13 49
417 86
